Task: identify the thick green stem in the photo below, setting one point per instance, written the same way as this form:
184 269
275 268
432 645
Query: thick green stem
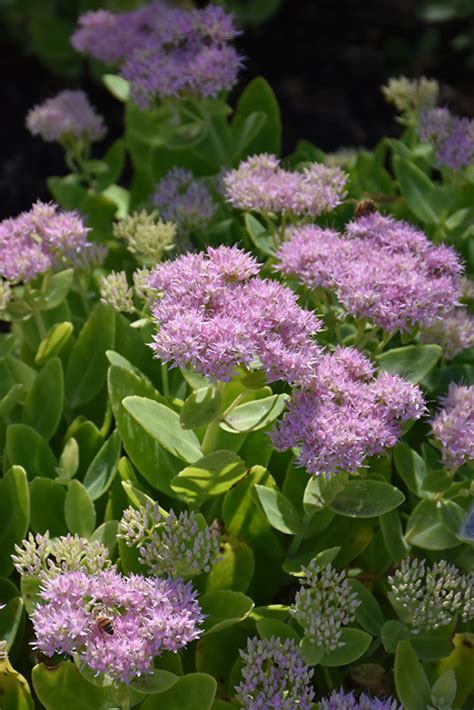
165 379
121 696
210 437
328 679
81 291
213 429
299 537
77 154
361 336
295 544
386 338
339 336
104 430
233 405
39 321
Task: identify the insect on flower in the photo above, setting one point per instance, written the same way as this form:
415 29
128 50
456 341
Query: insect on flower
364 208
105 625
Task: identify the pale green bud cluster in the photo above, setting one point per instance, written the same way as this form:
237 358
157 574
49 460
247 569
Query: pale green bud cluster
410 96
467 288
142 288
324 605
344 158
42 557
176 545
147 236
115 292
429 597
5 295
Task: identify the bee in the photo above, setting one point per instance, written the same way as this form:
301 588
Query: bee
105 625
364 208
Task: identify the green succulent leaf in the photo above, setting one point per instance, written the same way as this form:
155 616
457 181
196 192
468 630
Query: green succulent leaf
209 476
366 499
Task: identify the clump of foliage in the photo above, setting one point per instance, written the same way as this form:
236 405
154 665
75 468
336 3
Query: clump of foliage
237 398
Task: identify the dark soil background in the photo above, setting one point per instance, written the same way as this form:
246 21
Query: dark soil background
325 60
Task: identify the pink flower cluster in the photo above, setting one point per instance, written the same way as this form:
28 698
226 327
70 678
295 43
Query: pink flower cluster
453 333
261 185
147 617
216 314
65 116
184 199
37 240
112 37
381 269
453 426
165 51
347 414
452 137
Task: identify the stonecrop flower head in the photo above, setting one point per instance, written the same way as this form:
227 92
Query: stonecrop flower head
274 676
187 54
340 700
112 37
115 292
216 315
185 200
66 116
177 545
324 604
410 96
453 426
147 237
261 185
35 241
453 333
344 158
381 269
89 258
346 414
5 296
164 51
452 137
467 286
147 617
142 288
429 597
43 557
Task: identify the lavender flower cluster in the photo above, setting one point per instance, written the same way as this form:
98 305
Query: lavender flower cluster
453 426
176 545
347 414
453 333
431 596
147 616
216 315
452 137
164 51
340 700
274 676
38 240
324 604
183 199
66 116
261 185
381 269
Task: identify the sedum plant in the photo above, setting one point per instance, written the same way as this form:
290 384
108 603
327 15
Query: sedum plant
236 397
